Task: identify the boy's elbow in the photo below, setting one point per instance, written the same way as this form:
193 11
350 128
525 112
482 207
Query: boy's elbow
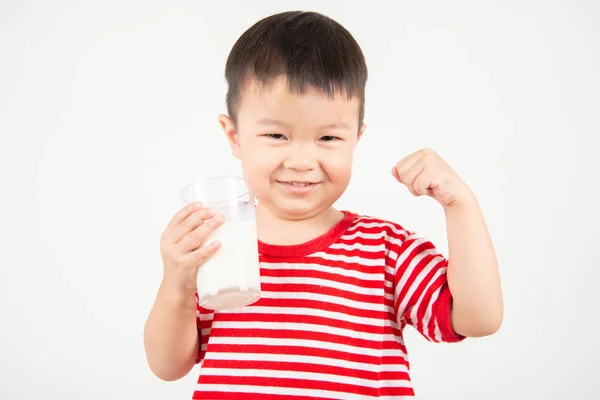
169 377
168 374
479 327
484 329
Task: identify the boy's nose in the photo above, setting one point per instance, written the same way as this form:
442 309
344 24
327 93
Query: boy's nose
300 163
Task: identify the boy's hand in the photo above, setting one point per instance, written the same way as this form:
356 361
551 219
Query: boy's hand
181 245
425 173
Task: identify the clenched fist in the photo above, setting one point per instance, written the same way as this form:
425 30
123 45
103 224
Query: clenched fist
425 173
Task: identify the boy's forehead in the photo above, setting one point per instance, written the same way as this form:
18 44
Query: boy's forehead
276 90
278 94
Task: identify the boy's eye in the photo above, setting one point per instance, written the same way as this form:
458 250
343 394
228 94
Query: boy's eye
277 136
329 138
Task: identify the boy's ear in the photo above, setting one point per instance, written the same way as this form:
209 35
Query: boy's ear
232 136
361 131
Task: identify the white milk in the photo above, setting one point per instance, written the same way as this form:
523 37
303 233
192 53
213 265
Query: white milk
234 268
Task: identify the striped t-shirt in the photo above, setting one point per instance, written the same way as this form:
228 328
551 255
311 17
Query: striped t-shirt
330 320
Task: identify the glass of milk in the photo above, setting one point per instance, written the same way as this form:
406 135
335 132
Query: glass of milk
231 277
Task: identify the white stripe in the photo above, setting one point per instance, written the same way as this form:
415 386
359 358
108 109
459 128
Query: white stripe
331 362
429 310
205 332
378 224
367 248
304 311
373 236
351 273
315 344
325 283
392 254
389 297
204 316
341 301
349 259
437 332
421 278
409 270
313 376
418 280
390 270
378 338
318 393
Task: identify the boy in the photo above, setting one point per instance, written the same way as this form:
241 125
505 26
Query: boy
338 288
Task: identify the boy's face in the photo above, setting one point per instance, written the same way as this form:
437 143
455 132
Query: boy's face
296 150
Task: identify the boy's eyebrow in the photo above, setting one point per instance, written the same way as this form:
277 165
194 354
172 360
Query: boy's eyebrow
270 121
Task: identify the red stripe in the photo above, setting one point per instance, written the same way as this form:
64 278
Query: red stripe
308 367
305 351
293 382
301 273
367 255
300 316
350 266
426 301
214 395
402 270
342 294
390 242
372 242
308 335
403 234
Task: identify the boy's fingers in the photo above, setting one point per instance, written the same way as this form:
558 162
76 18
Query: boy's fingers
422 182
395 174
199 257
182 215
405 165
410 178
191 223
196 237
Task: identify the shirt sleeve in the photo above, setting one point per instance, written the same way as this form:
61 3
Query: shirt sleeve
422 298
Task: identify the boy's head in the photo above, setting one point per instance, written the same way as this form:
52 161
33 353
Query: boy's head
296 94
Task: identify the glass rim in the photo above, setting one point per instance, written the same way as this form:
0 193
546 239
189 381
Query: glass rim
212 178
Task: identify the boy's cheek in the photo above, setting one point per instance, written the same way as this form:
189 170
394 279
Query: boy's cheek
340 162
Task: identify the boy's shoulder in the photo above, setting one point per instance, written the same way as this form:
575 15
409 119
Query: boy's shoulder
369 232
369 226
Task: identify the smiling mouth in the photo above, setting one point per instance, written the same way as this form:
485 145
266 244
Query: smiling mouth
298 184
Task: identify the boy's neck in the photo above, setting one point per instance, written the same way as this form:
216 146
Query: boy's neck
285 232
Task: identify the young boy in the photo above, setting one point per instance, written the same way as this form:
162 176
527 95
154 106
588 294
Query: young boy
337 288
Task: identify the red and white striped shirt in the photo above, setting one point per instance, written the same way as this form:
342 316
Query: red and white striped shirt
330 320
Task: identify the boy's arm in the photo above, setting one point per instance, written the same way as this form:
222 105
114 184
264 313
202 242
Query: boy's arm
171 336
472 273
473 277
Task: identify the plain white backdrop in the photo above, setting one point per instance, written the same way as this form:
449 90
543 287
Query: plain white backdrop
108 108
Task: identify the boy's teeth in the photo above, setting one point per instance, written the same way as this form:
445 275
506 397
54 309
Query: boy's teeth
299 184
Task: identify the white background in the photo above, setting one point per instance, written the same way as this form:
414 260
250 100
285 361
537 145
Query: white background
108 108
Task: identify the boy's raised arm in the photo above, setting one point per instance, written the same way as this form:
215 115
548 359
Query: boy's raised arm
473 277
